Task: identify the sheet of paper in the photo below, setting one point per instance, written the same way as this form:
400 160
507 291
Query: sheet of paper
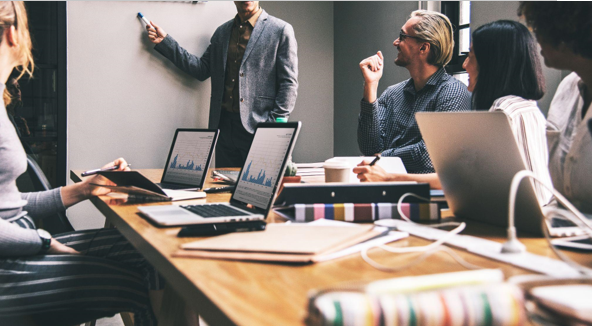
309 165
388 238
389 164
184 194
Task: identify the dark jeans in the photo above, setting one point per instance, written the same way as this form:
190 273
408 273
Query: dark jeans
234 141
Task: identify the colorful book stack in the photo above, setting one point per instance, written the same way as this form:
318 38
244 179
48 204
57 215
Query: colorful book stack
495 304
417 212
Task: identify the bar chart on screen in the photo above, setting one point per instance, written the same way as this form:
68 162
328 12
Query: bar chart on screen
189 157
263 166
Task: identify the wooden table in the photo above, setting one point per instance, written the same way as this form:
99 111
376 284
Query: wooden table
248 293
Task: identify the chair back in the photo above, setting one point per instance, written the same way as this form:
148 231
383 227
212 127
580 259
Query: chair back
35 180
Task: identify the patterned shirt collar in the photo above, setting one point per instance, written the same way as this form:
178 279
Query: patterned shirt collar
434 80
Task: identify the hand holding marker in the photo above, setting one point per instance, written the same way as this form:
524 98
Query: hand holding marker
155 33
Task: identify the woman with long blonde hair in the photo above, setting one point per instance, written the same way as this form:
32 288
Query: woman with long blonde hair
65 279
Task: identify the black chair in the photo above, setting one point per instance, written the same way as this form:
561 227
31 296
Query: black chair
35 180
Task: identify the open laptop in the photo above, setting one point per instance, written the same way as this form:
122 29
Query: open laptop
189 159
476 156
257 184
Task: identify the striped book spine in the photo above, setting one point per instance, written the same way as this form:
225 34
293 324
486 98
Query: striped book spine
348 212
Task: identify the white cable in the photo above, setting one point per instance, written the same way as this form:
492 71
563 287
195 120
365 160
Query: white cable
578 218
427 250
583 270
431 246
581 220
418 260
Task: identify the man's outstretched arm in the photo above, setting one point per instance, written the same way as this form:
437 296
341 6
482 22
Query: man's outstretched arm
166 45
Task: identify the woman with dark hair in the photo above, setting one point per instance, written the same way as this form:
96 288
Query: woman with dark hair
65 279
504 75
564 31
507 64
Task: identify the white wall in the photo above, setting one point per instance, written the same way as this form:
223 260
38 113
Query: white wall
125 99
313 26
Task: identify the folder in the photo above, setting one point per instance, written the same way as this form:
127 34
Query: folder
360 193
142 189
284 243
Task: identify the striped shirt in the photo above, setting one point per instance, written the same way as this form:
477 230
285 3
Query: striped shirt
570 143
388 125
528 125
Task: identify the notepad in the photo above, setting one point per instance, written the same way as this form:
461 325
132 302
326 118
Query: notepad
290 243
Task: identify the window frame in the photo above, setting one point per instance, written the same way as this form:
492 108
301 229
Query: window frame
452 10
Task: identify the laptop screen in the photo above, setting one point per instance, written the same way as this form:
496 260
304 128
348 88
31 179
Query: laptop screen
264 165
189 157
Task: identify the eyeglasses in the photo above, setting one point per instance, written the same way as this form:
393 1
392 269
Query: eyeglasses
402 37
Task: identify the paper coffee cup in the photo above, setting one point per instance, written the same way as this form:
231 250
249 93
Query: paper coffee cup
337 171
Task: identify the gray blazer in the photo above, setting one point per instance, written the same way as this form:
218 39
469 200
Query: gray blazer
268 73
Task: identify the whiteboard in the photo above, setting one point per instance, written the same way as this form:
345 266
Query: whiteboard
124 98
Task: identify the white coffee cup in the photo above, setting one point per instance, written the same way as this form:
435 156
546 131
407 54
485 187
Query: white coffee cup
337 171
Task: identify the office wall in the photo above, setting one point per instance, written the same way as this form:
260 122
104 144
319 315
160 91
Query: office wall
361 29
125 99
313 26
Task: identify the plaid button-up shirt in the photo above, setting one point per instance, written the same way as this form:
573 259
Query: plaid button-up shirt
388 125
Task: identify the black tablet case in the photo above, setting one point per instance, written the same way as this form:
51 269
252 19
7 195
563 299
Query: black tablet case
360 193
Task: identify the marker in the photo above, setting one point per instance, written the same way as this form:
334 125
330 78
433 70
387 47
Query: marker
95 171
375 160
144 19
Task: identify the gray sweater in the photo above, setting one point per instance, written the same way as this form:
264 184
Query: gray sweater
14 240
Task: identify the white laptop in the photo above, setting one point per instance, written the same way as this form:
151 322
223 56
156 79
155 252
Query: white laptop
189 159
476 156
256 187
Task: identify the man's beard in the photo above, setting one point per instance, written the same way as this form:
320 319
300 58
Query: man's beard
400 61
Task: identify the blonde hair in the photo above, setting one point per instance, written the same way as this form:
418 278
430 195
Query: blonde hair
13 13
436 29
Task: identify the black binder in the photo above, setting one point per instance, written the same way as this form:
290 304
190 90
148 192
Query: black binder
359 193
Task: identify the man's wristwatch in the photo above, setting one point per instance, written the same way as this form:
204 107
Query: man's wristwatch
45 240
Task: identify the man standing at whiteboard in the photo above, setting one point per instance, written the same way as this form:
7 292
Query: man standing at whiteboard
253 65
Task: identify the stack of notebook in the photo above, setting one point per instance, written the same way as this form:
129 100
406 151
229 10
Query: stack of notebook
289 243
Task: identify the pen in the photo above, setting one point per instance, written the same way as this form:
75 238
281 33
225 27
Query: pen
95 171
219 189
375 160
220 175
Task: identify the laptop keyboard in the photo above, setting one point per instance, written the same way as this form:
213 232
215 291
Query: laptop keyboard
214 210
